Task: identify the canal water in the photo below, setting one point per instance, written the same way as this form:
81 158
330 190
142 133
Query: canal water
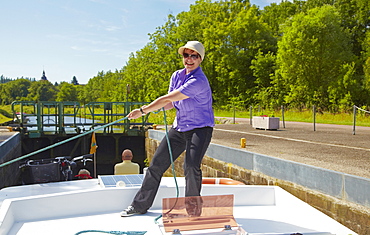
69 124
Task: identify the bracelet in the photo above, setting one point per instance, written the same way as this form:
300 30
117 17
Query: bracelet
142 111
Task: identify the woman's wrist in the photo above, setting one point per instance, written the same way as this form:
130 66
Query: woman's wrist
142 111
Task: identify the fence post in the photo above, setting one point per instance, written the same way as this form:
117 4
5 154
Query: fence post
282 114
354 119
234 113
314 118
250 114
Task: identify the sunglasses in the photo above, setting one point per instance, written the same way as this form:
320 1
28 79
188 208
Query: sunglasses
194 57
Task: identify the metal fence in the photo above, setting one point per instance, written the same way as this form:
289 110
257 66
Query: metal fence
254 111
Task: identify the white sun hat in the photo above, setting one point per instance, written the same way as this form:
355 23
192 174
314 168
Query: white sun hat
195 46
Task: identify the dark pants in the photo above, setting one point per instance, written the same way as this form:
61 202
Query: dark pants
195 142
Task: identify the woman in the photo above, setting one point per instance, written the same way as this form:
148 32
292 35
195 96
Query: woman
191 95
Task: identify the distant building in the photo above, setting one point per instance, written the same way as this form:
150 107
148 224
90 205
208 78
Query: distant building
43 76
74 81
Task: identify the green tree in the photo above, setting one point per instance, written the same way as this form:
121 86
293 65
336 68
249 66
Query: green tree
4 79
165 61
275 14
113 89
42 90
313 63
263 67
148 71
366 67
311 56
93 88
232 34
67 92
355 16
14 90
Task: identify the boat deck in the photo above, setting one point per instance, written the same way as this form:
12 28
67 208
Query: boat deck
75 206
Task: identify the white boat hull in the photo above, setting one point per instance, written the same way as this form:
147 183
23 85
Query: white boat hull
74 206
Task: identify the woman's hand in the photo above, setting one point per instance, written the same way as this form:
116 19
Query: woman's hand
136 113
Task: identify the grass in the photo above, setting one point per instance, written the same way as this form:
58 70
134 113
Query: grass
362 118
5 113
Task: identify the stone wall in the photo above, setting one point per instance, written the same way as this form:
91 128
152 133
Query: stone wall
352 215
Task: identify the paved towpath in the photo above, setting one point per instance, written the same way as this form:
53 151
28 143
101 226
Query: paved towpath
332 147
5 133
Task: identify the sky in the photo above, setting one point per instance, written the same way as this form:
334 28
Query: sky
67 38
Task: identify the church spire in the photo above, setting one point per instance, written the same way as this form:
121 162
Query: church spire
43 76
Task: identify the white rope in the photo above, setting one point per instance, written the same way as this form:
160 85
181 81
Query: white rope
362 109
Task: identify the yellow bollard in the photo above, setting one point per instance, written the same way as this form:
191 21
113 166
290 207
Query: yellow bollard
229 168
243 142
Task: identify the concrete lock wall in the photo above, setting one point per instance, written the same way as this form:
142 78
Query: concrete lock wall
8 149
345 198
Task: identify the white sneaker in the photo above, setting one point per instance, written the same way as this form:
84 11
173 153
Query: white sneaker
130 211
